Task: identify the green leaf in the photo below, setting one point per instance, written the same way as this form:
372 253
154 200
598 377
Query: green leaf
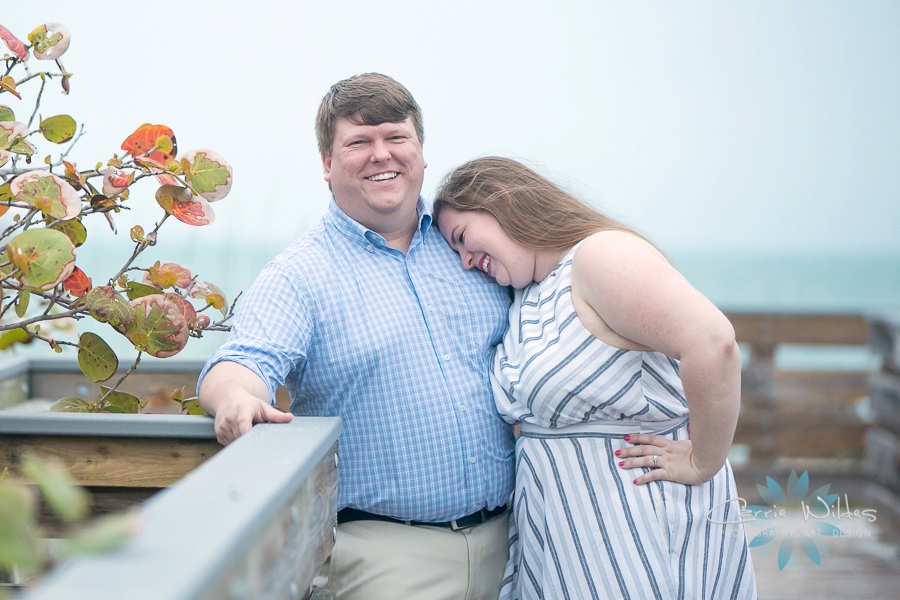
208 173
14 336
139 290
70 404
60 491
105 534
158 326
6 113
45 257
107 306
120 402
59 129
74 229
22 303
193 407
96 359
50 194
18 527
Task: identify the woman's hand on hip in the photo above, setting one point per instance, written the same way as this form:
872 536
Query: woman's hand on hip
669 460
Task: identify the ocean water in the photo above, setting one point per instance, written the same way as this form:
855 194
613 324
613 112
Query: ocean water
735 282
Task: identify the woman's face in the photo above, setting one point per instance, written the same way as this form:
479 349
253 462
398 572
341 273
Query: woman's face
483 244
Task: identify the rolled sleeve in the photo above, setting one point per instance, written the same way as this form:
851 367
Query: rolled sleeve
271 330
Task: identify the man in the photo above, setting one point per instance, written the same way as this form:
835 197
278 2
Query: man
370 316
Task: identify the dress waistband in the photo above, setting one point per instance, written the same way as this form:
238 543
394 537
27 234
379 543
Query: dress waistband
615 429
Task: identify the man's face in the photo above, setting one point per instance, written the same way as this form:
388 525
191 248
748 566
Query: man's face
376 172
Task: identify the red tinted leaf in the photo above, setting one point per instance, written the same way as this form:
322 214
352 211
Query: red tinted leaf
184 307
74 175
197 213
158 326
167 275
142 144
78 284
14 44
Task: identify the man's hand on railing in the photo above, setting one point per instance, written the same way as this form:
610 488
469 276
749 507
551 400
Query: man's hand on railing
238 399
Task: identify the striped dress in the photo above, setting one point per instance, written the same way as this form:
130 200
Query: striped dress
580 528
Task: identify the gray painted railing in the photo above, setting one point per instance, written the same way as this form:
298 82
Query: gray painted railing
254 521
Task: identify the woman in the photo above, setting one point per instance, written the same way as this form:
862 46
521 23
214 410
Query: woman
607 352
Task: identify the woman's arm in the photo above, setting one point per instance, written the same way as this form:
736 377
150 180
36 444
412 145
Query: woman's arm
640 296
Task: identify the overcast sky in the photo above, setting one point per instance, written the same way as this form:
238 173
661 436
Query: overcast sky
753 127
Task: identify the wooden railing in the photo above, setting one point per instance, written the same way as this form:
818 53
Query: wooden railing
789 415
255 520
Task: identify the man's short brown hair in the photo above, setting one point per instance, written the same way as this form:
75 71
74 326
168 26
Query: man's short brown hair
367 99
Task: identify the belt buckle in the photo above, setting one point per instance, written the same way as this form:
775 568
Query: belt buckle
455 526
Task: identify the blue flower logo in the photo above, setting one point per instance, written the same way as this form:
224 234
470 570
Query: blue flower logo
780 504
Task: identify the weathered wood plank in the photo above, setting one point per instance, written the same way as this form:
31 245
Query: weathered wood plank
254 522
112 461
787 328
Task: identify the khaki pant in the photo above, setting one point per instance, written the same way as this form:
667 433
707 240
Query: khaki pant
375 560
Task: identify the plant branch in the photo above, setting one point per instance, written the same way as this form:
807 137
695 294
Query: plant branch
130 370
37 102
138 248
22 324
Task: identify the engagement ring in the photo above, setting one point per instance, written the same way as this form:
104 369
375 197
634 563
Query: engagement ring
655 460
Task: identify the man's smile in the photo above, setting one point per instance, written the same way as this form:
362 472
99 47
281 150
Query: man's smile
383 176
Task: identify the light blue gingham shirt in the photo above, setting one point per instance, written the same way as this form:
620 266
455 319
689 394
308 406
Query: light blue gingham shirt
398 346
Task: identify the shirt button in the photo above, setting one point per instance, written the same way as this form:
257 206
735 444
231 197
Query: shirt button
446 357
475 506
370 248
463 407
430 308
472 459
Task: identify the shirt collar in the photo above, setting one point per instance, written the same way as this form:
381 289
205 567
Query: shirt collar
363 235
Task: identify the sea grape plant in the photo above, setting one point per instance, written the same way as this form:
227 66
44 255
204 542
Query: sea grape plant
52 202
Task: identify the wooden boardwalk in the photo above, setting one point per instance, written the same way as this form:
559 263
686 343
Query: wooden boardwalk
865 563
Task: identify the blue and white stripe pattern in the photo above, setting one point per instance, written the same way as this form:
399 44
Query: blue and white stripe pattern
397 345
580 528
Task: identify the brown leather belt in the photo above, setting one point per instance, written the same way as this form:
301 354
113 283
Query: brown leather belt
346 515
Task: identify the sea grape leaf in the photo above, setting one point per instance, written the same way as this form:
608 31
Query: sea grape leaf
96 359
22 303
192 407
208 173
199 322
62 494
211 293
101 535
59 129
139 290
18 527
49 41
6 113
15 45
116 181
4 158
169 274
184 307
50 194
70 404
108 306
196 213
45 257
9 84
142 144
74 229
168 194
14 336
158 326
78 283
11 131
120 402
75 175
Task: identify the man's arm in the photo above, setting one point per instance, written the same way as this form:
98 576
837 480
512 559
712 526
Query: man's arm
238 399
